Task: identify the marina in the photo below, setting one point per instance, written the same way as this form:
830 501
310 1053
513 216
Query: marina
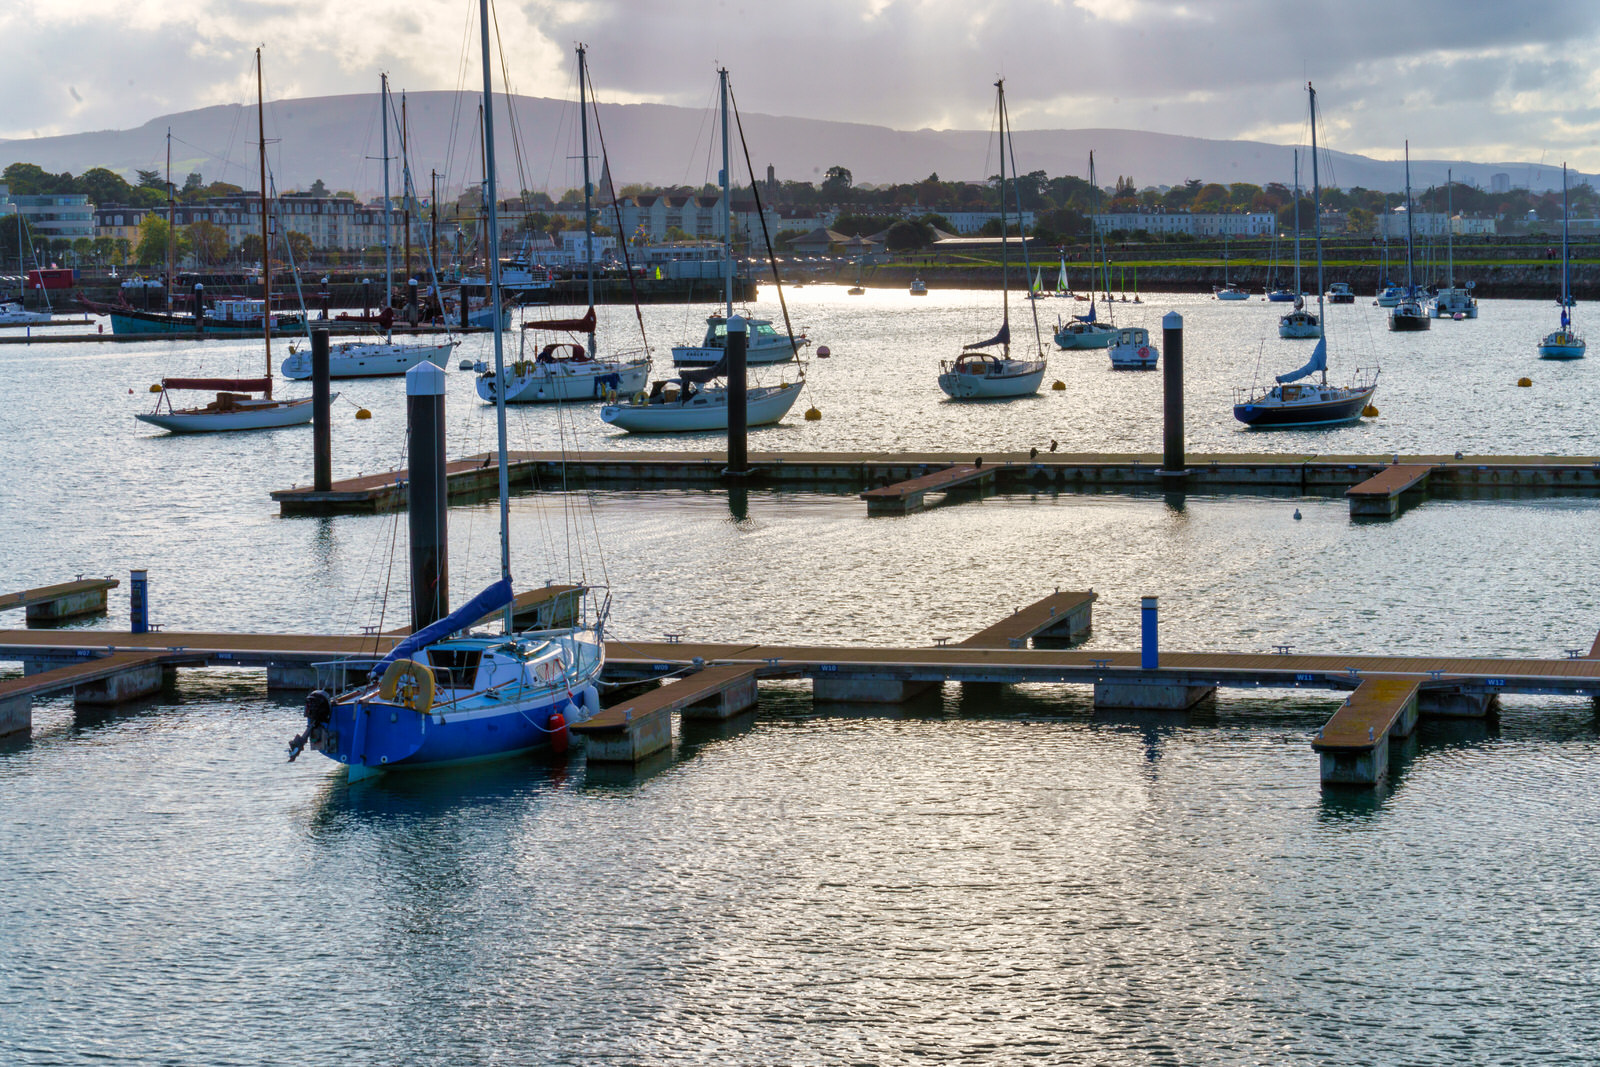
1084 717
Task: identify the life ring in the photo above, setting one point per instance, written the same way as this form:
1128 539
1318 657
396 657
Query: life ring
408 682
1144 351
638 398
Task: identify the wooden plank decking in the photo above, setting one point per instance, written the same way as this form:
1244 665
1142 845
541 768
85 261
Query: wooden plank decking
75 674
1066 612
1379 496
84 596
674 696
902 498
1368 714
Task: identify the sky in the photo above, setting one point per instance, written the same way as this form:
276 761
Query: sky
1465 79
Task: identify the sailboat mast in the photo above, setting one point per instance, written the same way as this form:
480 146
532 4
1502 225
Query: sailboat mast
172 231
1411 288
494 296
727 204
266 243
1565 276
1449 230
1298 290
388 238
1005 244
433 221
588 188
405 191
1316 215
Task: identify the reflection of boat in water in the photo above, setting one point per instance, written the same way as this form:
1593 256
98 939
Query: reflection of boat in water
1290 402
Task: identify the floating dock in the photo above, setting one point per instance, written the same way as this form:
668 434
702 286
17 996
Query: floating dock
863 473
1386 692
1379 496
50 603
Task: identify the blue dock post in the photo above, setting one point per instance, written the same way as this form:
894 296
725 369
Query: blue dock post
1149 652
138 602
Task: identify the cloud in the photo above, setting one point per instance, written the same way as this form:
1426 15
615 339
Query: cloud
1470 75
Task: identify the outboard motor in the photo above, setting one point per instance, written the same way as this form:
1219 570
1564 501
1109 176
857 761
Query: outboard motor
319 715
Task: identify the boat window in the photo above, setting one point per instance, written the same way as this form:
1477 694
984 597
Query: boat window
454 668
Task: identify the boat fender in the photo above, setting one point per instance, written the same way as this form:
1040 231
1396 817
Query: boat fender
591 701
408 682
559 738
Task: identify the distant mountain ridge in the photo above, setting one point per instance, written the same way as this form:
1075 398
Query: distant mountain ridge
332 138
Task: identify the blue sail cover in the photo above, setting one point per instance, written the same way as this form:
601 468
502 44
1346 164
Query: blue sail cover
1001 338
1086 318
1319 361
491 599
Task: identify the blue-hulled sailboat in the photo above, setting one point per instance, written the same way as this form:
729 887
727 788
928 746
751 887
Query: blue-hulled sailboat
1564 342
446 695
1292 402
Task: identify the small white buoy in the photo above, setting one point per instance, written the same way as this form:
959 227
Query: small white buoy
1296 514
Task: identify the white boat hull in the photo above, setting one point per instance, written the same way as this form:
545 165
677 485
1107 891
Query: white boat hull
755 356
1023 381
249 415
707 410
368 359
1094 337
24 318
546 383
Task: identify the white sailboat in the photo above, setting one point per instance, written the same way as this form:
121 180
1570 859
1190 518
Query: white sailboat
977 375
385 357
1564 342
1453 301
565 370
1293 402
1227 290
1087 331
445 695
697 398
236 407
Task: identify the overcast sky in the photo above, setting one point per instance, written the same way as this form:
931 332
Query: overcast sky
1467 79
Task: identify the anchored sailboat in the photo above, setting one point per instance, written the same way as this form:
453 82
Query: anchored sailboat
1287 404
1564 342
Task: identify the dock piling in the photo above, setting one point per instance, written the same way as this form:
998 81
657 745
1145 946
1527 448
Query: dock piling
738 390
321 418
1149 645
427 493
1172 457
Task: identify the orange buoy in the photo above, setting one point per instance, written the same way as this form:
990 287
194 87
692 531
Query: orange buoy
363 413
1058 384
559 738
1524 382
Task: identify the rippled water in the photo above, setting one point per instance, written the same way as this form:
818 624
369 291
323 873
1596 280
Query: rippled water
977 876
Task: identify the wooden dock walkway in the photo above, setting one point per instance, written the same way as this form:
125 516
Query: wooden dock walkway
65 600
1012 472
1354 744
1379 496
109 679
629 731
903 498
1059 617
1387 692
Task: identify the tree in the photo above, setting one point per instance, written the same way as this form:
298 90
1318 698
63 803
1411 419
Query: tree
1360 220
905 235
319 188
1211 197
299 246
676 234
104 249
250 248
150 179
124 249
193 188
836 183
209 241
153 237
104 186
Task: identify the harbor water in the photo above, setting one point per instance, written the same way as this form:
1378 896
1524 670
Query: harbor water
976 876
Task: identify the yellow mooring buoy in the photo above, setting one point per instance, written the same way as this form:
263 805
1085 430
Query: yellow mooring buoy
1524 382
156 388
363 413
1369 412
1058 384
813 415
